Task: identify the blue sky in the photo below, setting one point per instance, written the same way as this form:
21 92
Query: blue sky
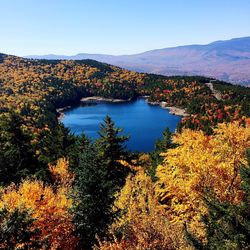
117 26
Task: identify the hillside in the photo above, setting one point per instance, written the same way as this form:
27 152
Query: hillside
225 60
28 85
31 91
59 191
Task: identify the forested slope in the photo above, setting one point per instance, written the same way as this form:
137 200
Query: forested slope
60 191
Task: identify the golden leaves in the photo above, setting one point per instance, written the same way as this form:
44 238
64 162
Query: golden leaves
142 221
201 162
48 205
60 172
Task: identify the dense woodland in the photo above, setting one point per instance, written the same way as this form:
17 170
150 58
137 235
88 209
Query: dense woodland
61 191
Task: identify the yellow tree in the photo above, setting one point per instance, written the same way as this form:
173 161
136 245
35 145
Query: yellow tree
142 223
198 163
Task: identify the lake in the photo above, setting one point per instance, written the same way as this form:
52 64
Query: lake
144 123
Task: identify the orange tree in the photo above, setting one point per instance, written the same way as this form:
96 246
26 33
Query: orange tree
48 207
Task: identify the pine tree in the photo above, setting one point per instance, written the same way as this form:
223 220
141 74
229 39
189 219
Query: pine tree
16 230
98 176
112 149
161 146
227 225
93 198
16 156
166 142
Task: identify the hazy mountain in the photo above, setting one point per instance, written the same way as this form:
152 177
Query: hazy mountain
226 60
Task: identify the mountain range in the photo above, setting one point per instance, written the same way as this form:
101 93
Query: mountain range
227 60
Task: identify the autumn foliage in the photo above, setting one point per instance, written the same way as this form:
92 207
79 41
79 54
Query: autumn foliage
154 215
48 205
142 223
202 162
159 199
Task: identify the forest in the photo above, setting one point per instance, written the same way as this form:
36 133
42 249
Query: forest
62 191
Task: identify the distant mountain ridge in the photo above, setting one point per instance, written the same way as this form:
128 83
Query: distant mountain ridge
227 60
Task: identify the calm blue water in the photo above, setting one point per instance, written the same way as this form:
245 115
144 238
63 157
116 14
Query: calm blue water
144 123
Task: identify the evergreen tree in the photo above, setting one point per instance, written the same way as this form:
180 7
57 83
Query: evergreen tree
227 225
74 150
166 142
161 145
16 230
98 176
112 149
16 156
94 196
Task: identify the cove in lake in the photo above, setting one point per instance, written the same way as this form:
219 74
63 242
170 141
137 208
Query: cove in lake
144 123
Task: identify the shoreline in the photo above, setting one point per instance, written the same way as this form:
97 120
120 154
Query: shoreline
172 109
89 99
92 99
177 111
61 113
102 99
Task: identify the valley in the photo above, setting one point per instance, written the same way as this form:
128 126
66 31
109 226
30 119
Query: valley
65 177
